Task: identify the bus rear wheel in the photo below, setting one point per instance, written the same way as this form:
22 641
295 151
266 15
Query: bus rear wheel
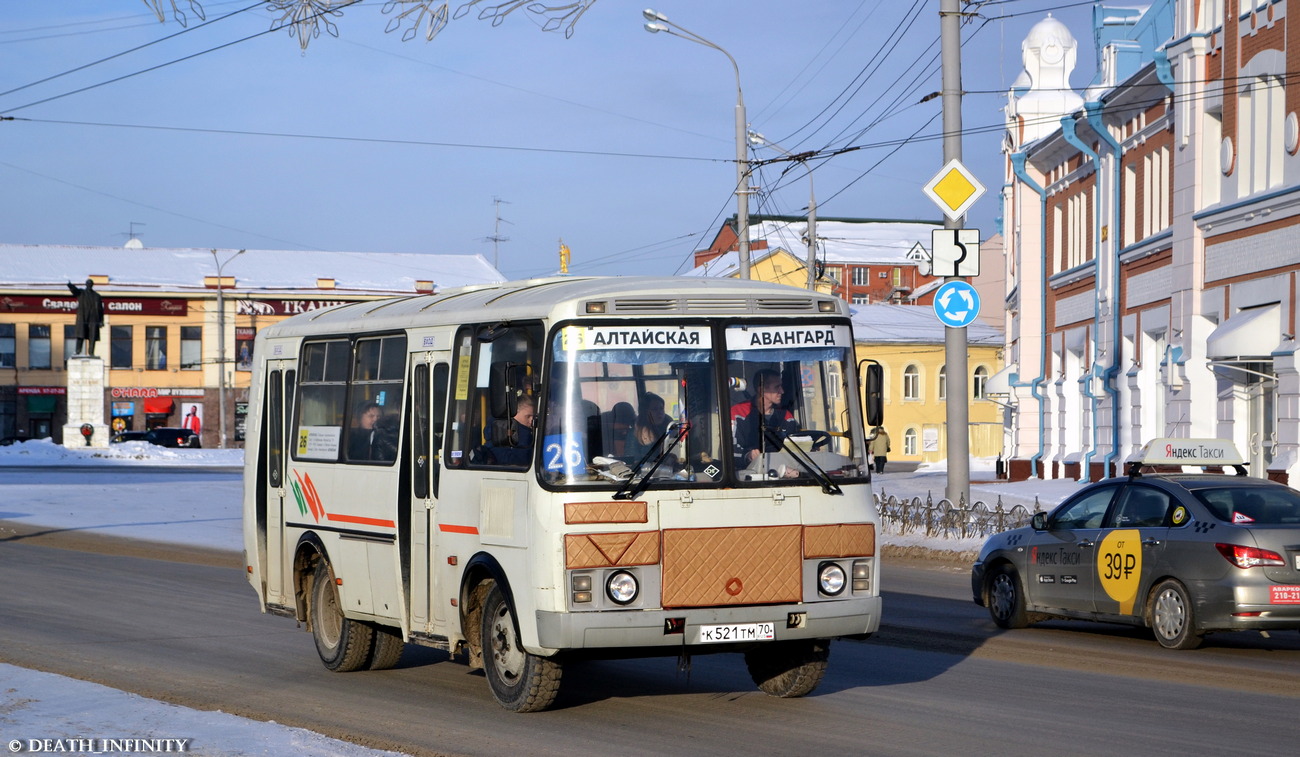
788 668
388 648
343 644
520 682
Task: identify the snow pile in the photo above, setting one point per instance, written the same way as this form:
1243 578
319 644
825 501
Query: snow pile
44 452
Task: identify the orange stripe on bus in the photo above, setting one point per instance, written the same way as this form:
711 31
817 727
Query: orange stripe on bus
458 529
362 521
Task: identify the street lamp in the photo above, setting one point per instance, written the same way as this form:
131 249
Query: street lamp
221 347
658 22
758 139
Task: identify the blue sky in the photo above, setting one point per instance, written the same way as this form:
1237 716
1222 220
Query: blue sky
615 140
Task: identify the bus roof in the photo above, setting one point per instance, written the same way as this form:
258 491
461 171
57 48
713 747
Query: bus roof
564 297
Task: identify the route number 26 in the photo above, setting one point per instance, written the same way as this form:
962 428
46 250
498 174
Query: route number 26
563 453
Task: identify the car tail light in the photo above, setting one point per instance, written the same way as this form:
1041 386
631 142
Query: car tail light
1248 557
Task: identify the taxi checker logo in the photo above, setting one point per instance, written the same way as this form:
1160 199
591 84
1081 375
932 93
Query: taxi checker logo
304 491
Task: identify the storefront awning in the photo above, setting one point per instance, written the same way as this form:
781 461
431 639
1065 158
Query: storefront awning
41 404
158 405
1250 336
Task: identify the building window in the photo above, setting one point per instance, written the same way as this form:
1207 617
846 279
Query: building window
897 278
860 276
38 346
8 345
69 342
943 383
1259 132
977 383
191 348
861 299
120 347
912 382
155 348
909 442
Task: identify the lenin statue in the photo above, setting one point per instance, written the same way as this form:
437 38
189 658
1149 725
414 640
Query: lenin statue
90 315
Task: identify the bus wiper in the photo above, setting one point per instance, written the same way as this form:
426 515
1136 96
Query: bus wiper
804 459
634 486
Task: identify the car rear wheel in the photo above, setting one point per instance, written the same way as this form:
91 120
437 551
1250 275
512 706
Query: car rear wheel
1172 618
1006 600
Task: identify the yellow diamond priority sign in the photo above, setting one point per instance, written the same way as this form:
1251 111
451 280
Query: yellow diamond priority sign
954 189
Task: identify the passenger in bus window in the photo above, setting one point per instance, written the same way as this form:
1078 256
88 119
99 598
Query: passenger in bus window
361 437
763 410
650 425
510 441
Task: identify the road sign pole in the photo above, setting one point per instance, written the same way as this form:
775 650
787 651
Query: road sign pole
954 343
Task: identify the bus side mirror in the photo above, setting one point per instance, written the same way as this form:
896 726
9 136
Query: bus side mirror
872 378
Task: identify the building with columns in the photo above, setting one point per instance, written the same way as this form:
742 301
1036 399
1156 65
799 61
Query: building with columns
179 324
1152 230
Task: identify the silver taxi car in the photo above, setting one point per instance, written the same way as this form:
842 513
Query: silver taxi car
1184 554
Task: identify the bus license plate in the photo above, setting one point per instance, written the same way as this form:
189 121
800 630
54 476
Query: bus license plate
737 632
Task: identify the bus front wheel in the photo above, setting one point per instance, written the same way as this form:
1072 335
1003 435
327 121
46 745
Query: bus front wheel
343 644
788 668
520 682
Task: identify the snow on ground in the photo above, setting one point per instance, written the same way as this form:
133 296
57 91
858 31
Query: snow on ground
112 491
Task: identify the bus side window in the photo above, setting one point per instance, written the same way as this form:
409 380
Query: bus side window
421 454
322 400
428 408
378 369
274 429
438 418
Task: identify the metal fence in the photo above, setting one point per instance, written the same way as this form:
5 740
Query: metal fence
945 520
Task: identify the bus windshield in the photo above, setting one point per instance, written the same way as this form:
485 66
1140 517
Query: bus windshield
673 405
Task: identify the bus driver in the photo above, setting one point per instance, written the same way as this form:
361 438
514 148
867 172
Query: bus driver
763 411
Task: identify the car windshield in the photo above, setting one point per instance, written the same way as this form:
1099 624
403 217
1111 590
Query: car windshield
645 404
1257 505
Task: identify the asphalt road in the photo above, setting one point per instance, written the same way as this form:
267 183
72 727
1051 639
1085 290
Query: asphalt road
938 679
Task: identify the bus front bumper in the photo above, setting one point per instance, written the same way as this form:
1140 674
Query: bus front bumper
676 628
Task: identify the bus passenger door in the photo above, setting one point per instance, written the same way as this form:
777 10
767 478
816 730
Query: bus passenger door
279 413
428 404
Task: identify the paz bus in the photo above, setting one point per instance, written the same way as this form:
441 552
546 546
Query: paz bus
528 473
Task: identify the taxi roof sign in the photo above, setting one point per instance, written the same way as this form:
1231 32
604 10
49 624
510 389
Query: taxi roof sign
1167 451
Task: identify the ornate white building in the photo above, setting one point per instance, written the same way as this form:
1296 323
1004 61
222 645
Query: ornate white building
1152 227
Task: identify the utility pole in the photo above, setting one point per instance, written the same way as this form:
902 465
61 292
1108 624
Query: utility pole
954 342
496 238
221 347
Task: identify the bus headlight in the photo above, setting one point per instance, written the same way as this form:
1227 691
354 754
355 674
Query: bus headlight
830 578
621 587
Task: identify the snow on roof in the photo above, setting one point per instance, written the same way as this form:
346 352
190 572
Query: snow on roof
50 266
912 323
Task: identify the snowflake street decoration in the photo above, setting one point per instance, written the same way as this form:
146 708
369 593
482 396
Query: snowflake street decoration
305 17
419 13
177 13
556 15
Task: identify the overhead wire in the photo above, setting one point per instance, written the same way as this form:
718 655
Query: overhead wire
137 48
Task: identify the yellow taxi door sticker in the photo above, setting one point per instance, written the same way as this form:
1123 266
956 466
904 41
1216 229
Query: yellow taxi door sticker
1120 567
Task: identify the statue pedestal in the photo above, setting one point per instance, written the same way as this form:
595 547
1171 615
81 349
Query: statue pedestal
85 402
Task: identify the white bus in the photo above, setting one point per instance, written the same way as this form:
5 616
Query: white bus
695 480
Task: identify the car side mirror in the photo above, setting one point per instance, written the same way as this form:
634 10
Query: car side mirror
1039 521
